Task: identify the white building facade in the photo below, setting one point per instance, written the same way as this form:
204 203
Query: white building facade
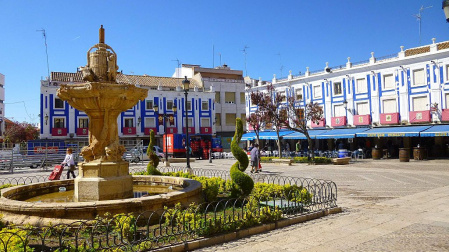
409 88
61 121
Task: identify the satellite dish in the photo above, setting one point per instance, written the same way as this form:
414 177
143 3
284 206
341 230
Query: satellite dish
328 69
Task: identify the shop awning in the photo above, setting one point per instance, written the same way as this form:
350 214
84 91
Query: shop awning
400 131
271 135
312 134
265 135
436 130
341 133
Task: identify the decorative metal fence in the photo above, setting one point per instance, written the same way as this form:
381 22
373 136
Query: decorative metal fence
171 226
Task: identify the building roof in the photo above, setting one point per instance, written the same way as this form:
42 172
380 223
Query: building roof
141 80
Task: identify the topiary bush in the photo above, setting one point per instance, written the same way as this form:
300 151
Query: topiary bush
154 159
244 182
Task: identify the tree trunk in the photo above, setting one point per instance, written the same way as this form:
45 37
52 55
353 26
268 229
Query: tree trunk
311 152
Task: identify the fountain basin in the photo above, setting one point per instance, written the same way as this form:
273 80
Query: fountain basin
41 214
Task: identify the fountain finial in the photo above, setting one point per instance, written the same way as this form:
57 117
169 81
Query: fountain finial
101 35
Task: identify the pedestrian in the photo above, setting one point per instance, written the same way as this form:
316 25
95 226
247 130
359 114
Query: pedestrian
298 147
255 159
70 162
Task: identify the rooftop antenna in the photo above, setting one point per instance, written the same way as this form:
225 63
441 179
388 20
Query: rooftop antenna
280 62
179 65
419 17
244 52
46 50
220 58
213 55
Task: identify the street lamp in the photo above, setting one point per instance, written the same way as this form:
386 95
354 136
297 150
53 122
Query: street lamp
446 9
345 105
185 85
165 116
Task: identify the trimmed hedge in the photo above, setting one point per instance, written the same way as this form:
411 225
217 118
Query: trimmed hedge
154 159
244 182
318 160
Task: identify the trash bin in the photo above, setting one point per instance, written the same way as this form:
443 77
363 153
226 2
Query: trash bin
404 154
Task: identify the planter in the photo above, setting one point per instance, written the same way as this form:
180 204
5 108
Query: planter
376 153
404 154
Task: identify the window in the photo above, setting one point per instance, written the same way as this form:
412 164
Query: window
243 117
205 105
129 122
83 123
59 104
447 101
337 88
169 105
298 95
189 105
217 97
242 98
420 103
339 110
361 86
388 81
447 72
218 119
230 119
282 95
229 97
205 122
190 121
59 123
150 122
317 91
149 105
363 108
419 78
389 106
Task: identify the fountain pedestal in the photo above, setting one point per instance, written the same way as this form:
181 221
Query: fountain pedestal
103 181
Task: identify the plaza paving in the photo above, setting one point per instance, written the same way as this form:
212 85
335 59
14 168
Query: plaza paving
387 206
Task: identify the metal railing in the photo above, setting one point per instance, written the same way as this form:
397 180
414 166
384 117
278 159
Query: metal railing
171 226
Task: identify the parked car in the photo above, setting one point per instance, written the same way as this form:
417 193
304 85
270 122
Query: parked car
158 150
132 155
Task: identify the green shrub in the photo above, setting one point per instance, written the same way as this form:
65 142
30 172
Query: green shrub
14 239
244 182
154 159
6 186
318 160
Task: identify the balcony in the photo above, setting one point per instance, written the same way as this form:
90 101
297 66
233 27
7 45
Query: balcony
338 121
191 130
59 132
82 131
321 123
389 118
205 130
129 130
146 131
445 115
362 119
420 116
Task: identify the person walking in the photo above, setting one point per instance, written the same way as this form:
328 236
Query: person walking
255 158
70 162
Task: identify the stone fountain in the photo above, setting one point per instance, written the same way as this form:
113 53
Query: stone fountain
103 175
104 184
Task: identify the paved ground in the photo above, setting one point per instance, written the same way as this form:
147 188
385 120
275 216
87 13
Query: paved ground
387 206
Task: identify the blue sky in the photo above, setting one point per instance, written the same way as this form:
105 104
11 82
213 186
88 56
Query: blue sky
150 35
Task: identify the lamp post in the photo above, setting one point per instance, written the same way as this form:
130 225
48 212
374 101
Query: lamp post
165 116
185 84
446 9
